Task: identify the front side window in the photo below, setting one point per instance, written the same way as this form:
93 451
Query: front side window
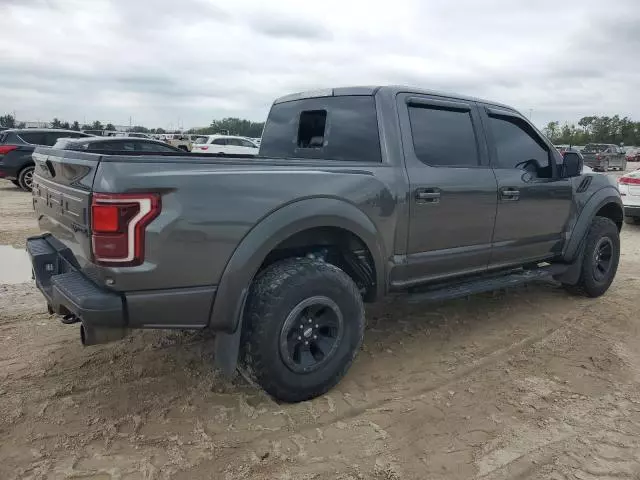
247 143
219 141
518 147
442 137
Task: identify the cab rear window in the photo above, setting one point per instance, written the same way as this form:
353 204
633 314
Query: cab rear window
343 128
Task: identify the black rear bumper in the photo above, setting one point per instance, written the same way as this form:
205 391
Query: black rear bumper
68 290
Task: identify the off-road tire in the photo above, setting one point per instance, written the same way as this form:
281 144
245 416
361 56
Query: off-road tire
23 177
274 294
588 285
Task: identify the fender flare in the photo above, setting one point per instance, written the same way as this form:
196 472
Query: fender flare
607 195
272 230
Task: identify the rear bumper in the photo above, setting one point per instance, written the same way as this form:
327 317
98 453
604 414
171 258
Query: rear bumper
632 211
68 290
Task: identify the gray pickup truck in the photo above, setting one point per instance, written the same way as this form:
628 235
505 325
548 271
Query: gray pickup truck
357 192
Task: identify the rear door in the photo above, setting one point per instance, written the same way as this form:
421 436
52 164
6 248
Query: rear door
533 202
452 188
219 145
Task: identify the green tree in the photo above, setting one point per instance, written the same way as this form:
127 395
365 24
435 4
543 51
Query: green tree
21 125
552 131
56 123
65 125
8 121
109 126
97 125
75 126
86 126
160 130
139 129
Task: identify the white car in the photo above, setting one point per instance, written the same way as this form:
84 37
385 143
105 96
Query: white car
629 186
224 144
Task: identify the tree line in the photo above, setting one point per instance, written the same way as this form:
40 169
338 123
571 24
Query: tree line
595 129
229 125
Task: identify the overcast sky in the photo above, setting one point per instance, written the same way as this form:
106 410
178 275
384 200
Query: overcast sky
189 61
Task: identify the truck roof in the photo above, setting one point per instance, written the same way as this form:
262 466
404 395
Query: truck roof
372 90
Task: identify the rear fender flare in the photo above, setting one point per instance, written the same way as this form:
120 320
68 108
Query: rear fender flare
598 200
271 231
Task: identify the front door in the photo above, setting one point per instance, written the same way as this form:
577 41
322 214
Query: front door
533 202
452 204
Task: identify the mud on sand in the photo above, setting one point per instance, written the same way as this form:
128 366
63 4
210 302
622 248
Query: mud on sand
529 383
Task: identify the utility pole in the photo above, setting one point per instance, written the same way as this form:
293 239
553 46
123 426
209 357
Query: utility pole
530 113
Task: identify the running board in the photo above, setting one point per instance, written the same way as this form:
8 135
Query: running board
484 283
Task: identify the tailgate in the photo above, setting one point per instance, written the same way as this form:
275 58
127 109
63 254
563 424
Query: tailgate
62 197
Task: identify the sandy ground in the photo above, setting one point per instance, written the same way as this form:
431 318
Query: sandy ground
528 384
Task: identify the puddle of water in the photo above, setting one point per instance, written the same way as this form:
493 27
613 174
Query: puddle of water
15 266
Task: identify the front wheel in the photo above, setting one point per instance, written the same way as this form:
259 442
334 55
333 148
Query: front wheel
600 261
25 178
304 323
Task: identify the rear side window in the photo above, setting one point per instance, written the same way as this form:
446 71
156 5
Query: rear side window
442 137
341 128
34 138
219 141
155 147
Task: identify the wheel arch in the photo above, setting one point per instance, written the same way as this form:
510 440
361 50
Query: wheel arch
605 203
281 225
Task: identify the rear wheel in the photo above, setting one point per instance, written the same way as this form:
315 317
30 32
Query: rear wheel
600 261
304 323
25 178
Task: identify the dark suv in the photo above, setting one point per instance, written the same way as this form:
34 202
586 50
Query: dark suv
16 147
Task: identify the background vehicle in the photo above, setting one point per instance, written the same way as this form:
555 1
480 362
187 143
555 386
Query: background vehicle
277 253
629 186
633 155
116 144
602 157
17 146
225 144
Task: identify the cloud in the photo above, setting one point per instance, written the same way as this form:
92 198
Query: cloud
167 62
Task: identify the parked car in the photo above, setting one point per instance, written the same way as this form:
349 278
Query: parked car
633 155
358 192
16 147
602 157
224 144
116 144
629 186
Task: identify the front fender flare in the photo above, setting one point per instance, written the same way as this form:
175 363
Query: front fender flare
598 200
272 230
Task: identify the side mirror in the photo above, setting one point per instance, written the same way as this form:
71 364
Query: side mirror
571 164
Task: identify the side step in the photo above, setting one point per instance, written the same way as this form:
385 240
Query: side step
484 283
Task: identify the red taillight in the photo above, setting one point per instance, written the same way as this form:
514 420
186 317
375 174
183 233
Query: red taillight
204 148
118 223
629 180
4 149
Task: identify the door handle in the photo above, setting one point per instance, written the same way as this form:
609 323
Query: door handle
510 194
428 196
